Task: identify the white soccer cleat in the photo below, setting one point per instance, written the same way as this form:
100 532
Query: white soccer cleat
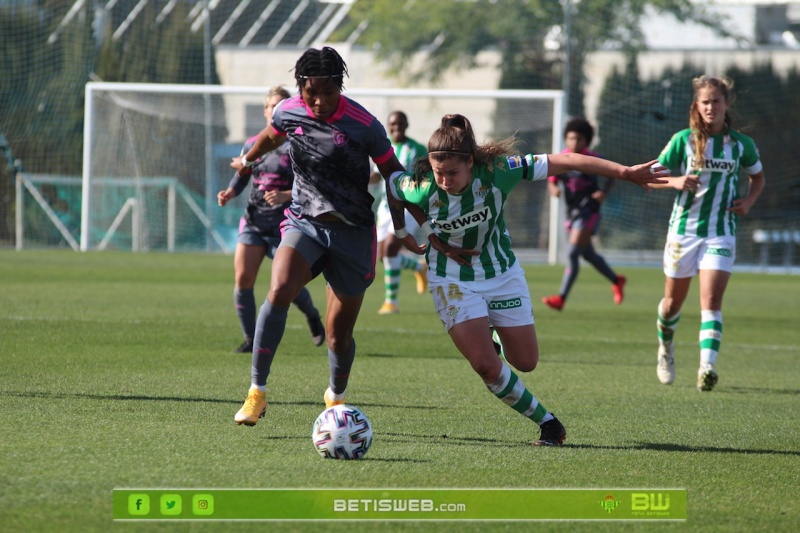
666 364
707 377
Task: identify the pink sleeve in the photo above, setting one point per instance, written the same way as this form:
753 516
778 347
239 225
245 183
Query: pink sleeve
277 129
385 157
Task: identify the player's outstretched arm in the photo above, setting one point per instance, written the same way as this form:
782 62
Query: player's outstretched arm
687 182
397 207
642 175
268 139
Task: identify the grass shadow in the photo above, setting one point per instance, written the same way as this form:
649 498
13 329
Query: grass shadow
682 448
408 356
394 460
452 440
759 390
139 397
116 397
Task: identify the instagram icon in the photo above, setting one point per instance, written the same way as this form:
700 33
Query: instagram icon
203 504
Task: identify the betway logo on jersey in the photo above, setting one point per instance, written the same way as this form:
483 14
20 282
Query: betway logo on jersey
724 165
464 222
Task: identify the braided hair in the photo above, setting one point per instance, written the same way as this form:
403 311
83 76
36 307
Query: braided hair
325 63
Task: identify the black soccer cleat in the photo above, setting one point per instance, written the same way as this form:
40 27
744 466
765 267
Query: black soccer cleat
553 434
317 330
245 347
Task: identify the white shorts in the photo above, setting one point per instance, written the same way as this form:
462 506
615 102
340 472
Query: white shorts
685 256
384 224
505 300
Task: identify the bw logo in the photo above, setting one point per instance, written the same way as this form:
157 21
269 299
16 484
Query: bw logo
653 501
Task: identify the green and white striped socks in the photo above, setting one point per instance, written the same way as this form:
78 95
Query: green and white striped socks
409 263
710 336
391 278
666 327
512 392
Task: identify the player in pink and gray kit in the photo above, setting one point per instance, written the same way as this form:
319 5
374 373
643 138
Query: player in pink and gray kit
330 226
260 229
583 197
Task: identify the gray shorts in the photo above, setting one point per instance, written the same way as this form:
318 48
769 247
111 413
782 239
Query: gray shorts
252 236
344 254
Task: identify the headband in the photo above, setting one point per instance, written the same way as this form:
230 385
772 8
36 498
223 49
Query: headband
454 152
312 77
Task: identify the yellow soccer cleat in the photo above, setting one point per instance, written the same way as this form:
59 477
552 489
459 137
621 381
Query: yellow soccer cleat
388 308
254 408
330 398
422 278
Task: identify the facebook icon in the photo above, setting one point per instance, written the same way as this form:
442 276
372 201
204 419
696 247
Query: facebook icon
138 504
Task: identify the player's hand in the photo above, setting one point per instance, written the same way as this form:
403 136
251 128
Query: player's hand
224 196
741 206
689 182
277 197
599 196
410 243
236 164
646 174
462 256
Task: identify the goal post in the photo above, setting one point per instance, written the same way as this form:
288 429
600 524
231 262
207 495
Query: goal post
139 133
512 121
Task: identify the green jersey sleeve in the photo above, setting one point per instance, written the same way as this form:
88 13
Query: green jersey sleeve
510 170
408 152
673 156
750 159
405 188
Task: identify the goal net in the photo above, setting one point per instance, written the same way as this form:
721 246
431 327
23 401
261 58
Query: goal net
155 156
136 167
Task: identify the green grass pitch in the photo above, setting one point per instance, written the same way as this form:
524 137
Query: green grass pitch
117 371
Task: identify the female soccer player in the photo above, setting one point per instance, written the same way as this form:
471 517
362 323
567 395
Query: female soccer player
330 227
259 229
707 158
584 198
462 187
407 151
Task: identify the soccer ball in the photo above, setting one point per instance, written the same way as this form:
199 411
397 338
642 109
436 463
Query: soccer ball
342 432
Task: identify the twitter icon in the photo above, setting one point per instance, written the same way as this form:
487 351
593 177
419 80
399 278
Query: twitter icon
171 504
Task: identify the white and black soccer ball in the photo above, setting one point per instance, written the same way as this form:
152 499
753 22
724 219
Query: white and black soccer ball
342 432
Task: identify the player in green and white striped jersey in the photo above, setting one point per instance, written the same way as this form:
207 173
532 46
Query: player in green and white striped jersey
407 151
707 159
473 275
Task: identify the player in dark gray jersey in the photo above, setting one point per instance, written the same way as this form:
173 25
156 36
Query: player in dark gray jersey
583 197
330 227
259 228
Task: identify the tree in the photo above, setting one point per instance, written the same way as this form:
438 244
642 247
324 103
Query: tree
453 32
46 63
